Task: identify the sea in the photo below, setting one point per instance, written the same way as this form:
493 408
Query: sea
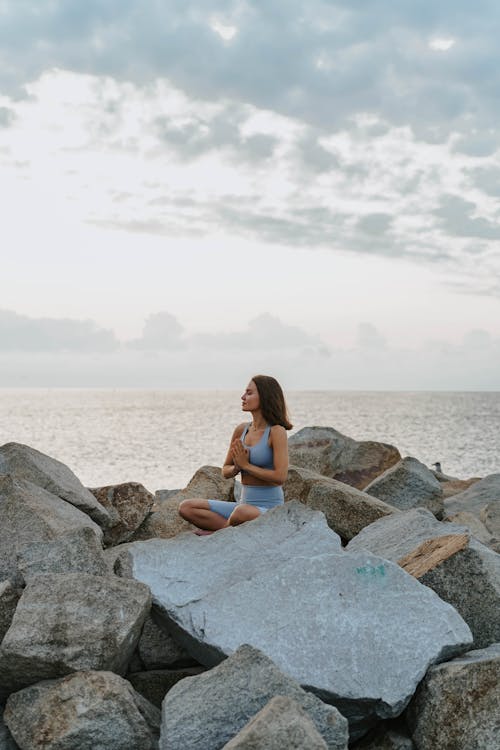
161 437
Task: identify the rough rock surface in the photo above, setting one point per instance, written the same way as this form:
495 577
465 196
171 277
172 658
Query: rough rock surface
476 497
23 462
282 723
9 597
6 739
469 580
163 523
128 504
457 704
409 484
82 711
67 623
30 514
205 712
328 452
77 551
387 739
157 648
208 482
286 588
476 528
155 683
347 510
490 516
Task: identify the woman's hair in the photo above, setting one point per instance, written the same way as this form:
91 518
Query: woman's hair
272 401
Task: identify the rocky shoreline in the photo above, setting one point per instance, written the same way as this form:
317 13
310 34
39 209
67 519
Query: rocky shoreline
364 613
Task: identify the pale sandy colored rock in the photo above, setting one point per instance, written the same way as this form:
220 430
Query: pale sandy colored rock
409 484
163 523
77 551
128 505
87 710
490 516
456 707
328 452
455 486
30 514
67 623
282 723
208 482
28 464
347 510
476 527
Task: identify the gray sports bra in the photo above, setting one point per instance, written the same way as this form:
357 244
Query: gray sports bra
260 454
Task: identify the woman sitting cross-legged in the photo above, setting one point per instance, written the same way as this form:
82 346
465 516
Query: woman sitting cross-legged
259 452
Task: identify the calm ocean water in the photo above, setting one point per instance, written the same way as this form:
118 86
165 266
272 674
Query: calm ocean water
160 438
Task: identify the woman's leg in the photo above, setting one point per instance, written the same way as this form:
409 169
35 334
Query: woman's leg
197 511
243 513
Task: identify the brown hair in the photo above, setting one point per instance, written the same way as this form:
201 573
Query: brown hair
272 401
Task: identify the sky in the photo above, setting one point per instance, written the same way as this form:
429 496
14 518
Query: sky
197 191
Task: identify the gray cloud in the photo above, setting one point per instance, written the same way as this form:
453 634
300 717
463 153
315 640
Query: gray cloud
321 62
487 179
456 219
7 117
162 331
264 332
20 333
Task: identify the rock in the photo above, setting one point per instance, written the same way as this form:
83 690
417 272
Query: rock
83 710
454 486
409 484
30 514
385 738
155 683
119 561
28 464
162 495
282 723
205 712
476 528
6 739
208 482
475 498
157 648
77 551
347 510
328 452
490 516
469 579
128 505
8 603
72 622
456 705
285 586
163 523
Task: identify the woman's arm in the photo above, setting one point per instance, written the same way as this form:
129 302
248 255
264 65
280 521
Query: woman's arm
279 443
231 468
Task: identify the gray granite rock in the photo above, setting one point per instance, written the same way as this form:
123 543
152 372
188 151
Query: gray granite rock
163 523
490 516
409 484
386 739
128 505
78 551
282 723
9 596
205 712
475 498
457 704
207 482
347 510
30 514
469 580
155 683
328 452
157 648
476 527
72 622
6 739
285 587
28 464
83 711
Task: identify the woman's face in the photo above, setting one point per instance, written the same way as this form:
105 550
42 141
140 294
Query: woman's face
250 400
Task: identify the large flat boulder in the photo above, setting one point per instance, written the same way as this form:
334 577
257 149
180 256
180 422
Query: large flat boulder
409 484
78 551
468 578
347 510
329 452
282 584
30 514
205 712
282 723
82 711
67 623
476 497
128 504
28 464
457 704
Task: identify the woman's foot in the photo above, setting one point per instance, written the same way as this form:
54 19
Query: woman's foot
202 532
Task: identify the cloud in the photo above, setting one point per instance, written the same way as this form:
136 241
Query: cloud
456 219
19 333
162 331
368 337
264 332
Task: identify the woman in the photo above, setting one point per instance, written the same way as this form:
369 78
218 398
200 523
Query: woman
259 451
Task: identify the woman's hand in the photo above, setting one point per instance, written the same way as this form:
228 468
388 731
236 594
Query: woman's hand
239 454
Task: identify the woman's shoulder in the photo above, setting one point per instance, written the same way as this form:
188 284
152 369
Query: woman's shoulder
238 430
278 430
